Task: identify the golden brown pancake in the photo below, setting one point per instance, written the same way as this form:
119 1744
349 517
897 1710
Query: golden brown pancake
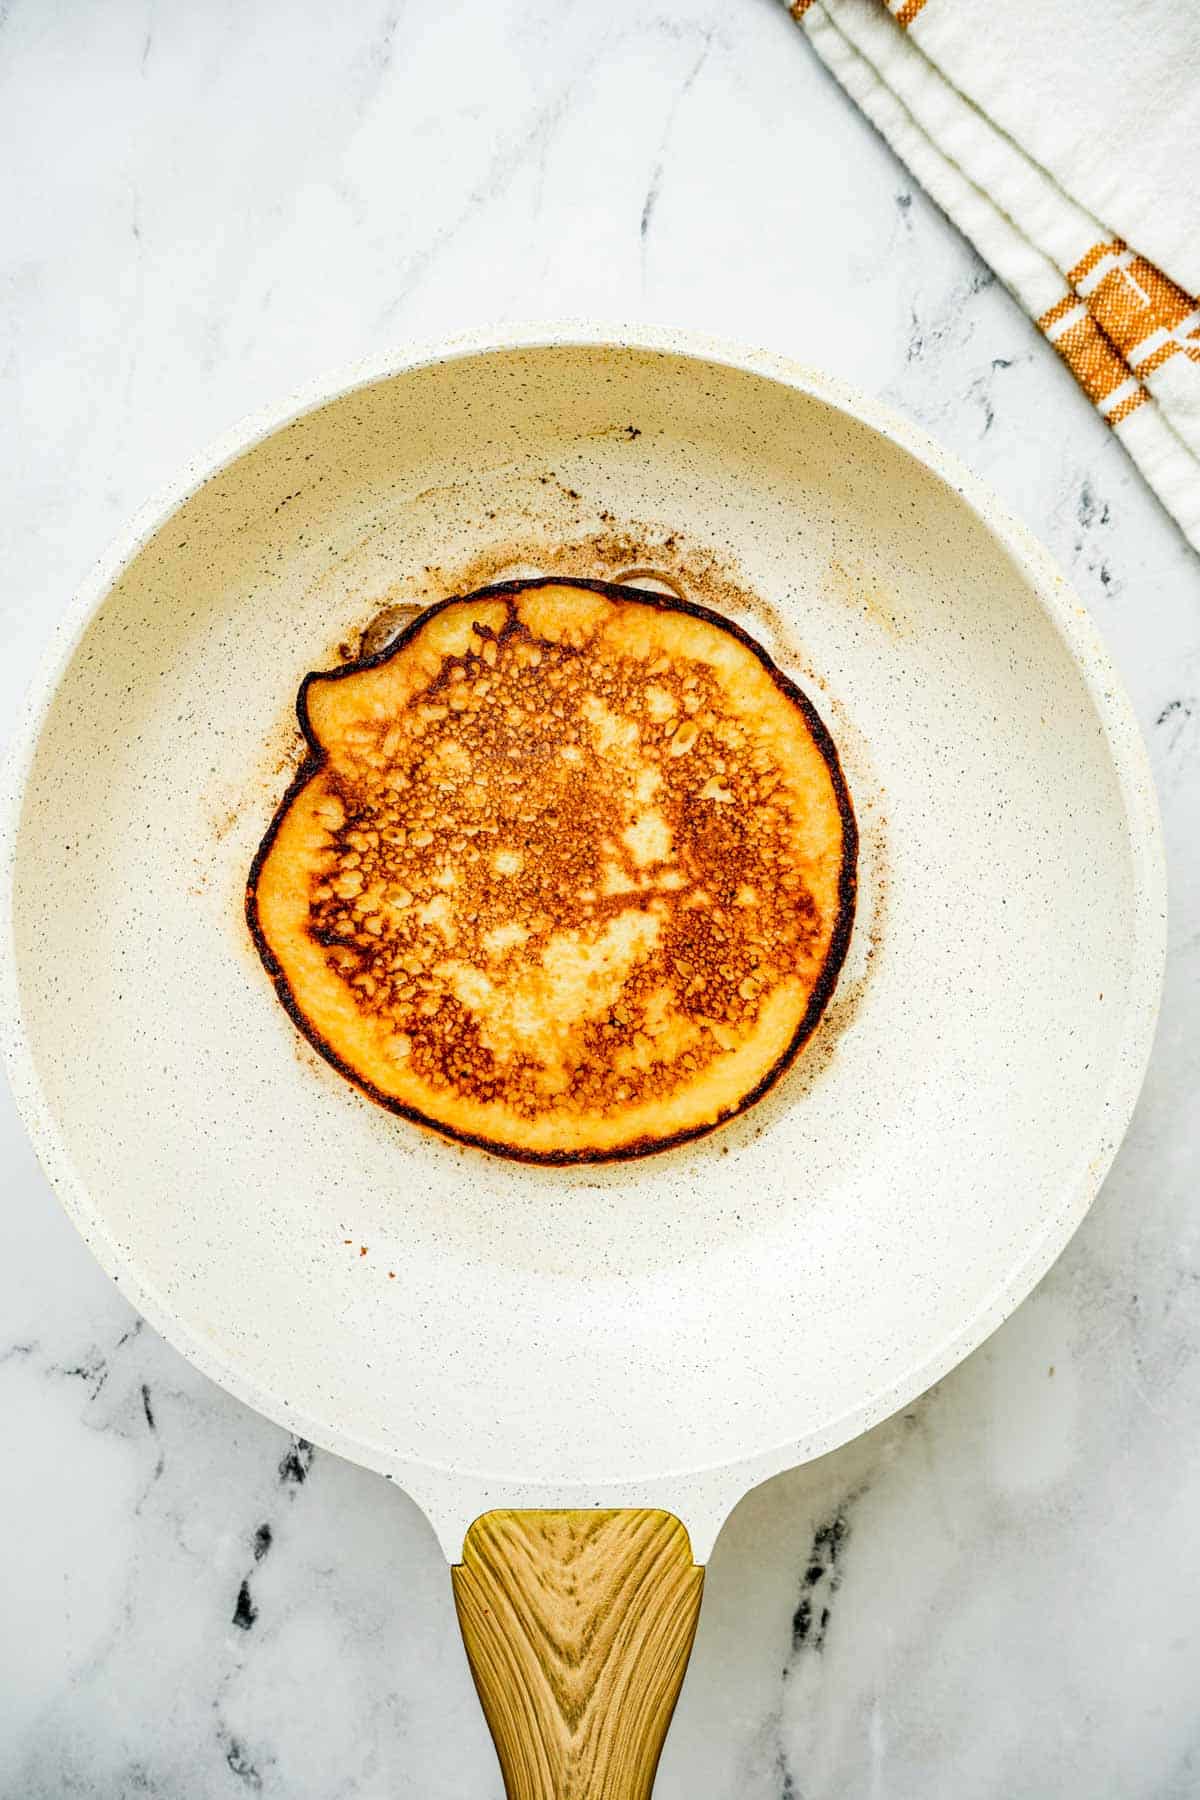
568 872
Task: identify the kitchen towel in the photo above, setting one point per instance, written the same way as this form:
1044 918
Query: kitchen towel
1064 140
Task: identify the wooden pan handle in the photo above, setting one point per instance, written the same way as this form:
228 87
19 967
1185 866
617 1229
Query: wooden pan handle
578 1626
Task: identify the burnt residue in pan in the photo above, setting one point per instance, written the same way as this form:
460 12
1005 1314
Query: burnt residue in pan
616 552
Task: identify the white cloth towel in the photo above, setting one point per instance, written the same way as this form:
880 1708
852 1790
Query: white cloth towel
1064 140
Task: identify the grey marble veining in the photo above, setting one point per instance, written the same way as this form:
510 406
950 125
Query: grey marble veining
992 1597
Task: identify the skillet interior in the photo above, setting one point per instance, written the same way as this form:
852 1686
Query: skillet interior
778 1284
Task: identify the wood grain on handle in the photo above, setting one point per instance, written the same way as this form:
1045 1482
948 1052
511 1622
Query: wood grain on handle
578 1626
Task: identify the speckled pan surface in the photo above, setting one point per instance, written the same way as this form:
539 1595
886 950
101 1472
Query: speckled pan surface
668 1331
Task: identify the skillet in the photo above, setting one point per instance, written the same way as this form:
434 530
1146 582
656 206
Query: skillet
577 1372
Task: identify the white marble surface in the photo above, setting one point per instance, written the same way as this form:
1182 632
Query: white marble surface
206 206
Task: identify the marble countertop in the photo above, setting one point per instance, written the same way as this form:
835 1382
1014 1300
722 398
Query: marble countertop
995 1596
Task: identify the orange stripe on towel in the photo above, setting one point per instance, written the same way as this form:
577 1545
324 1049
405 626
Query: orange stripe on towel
1098 368
1135 304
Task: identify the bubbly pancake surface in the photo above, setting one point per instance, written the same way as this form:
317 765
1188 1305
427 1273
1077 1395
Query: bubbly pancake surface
569 871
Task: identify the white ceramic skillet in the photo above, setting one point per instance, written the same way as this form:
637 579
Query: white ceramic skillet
660 1334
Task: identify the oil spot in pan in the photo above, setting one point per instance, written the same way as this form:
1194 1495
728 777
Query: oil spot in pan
652 580
862 589
386 625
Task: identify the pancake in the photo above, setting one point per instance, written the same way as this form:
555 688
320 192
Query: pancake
568 873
